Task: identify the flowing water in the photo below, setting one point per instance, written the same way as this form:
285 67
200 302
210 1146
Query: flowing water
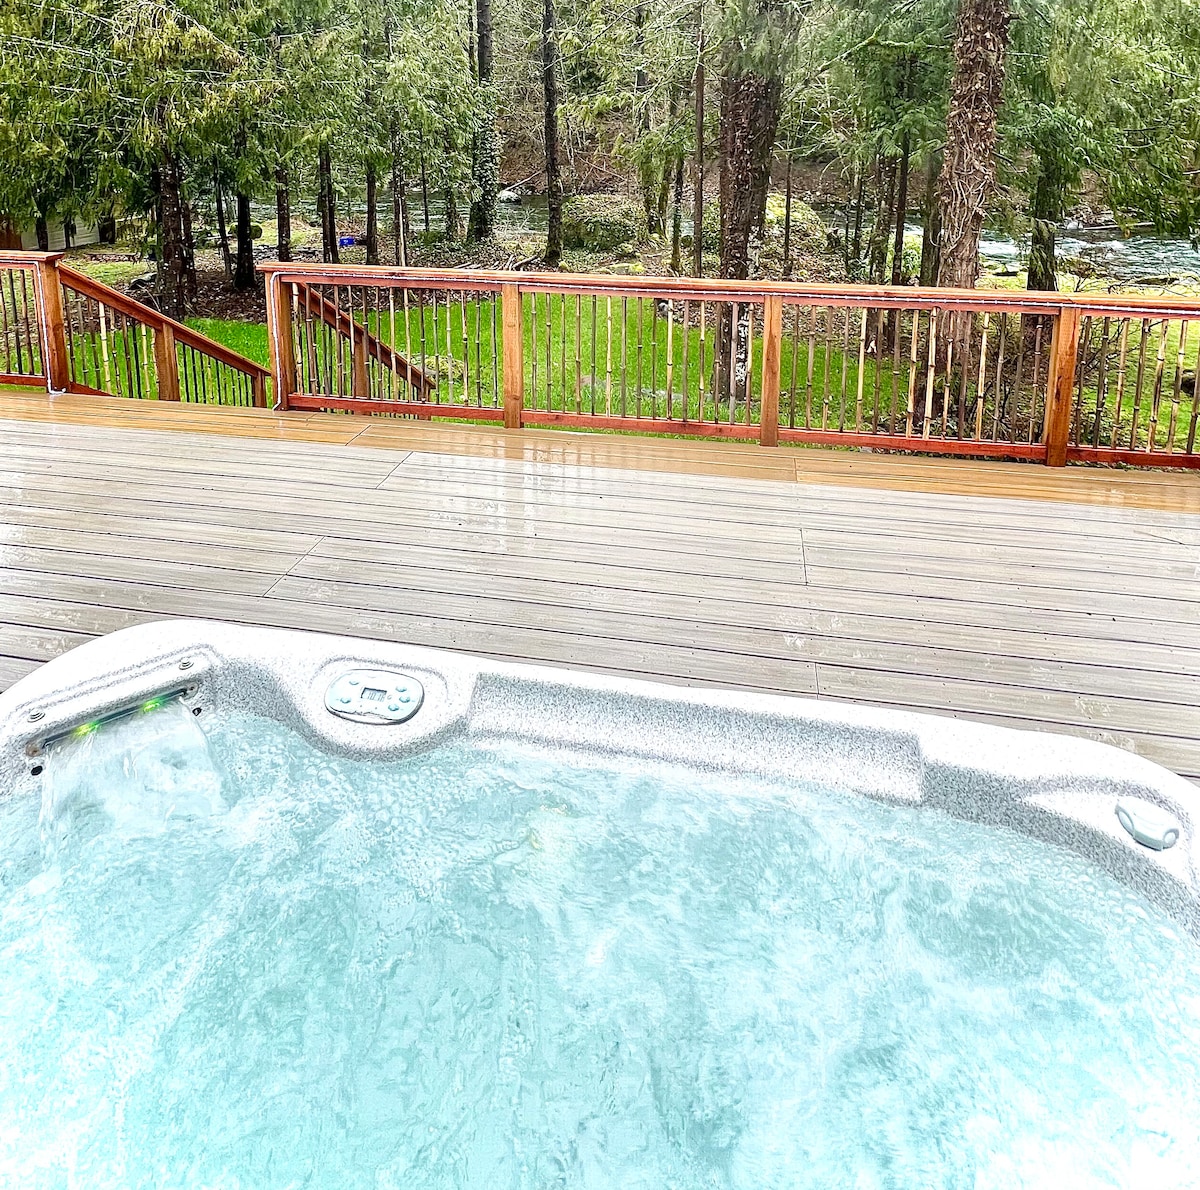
238 962
1140 256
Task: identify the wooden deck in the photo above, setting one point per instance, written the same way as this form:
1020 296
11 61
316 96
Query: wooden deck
995 591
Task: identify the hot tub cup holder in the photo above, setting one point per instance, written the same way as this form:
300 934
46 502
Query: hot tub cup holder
1147 824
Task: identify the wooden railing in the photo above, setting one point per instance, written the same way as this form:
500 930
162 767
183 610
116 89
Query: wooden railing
65 331
1040 376
1049 378
336 338
21 314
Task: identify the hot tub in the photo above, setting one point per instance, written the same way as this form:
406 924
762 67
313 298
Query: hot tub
282 910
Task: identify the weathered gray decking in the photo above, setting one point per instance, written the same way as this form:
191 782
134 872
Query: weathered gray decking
999 592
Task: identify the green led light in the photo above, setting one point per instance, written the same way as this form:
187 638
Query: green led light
152 704
87 729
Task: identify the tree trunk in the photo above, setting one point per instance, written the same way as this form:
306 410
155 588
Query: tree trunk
399 211
283 214
222 226
450 199
322 218
901 212
372 213
885 197
482 221
750 109
329 238
664 199
668 173
855 251
424 183
1046 208
969 172
172 270
698 164
41 228
1043 270
846 239
677 219
641 84
931 217
68 231
787 220
554 187
189 246
106 229
243 273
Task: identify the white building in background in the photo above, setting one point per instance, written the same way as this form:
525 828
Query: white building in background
25 238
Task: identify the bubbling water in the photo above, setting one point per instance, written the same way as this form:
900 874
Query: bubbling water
246 963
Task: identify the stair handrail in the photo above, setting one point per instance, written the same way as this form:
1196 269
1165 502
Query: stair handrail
51 275
340 320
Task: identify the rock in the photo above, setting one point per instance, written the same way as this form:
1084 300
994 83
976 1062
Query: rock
513 195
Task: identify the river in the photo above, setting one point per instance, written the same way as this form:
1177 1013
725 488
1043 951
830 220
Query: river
1140 256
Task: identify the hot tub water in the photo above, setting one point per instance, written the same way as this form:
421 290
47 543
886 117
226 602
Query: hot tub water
232 960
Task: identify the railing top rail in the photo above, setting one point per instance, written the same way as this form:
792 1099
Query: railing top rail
700 289
84 284
11 258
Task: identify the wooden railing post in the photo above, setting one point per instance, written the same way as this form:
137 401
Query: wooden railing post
768 417
1060 386
55 361
279 338
359 377
166 362
514 356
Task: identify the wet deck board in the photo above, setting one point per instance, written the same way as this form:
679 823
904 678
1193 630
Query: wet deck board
995 591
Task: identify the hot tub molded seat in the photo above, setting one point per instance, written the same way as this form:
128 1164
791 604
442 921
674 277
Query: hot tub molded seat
1056 788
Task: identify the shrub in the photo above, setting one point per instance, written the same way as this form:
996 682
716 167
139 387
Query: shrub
811 246
602 222
808 228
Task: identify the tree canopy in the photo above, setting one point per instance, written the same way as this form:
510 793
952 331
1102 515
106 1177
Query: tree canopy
147 108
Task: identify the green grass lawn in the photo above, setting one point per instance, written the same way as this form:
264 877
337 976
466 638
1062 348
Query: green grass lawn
246 338
620 359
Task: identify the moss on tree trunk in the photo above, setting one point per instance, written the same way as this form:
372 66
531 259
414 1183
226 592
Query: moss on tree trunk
969 167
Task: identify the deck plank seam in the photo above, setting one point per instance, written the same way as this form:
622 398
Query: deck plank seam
400 463
289 573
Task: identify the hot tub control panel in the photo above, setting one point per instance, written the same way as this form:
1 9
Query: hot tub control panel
374 696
